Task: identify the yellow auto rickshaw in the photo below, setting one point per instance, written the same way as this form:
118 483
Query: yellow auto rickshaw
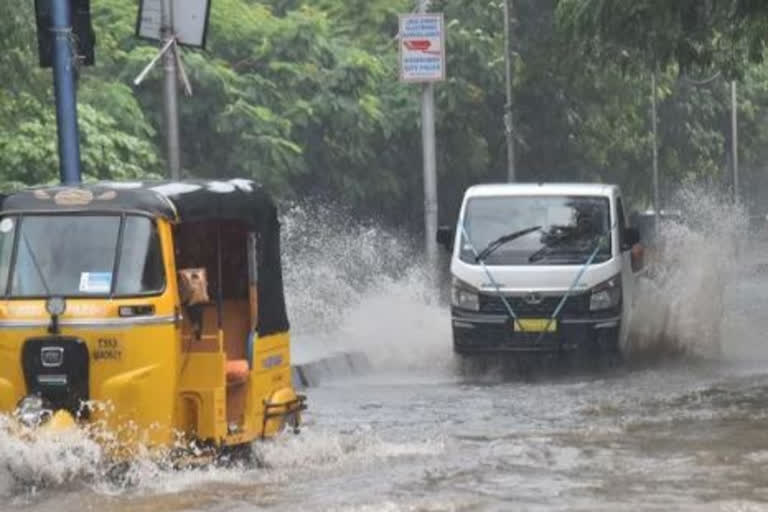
152 310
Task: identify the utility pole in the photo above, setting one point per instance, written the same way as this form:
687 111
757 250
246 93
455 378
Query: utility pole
171 91
64 87
656 196
429 163
735 142
509 127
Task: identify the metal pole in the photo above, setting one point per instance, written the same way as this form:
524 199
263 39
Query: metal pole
430 166
509 127
656 195
430 173
735 142
64 87
171 92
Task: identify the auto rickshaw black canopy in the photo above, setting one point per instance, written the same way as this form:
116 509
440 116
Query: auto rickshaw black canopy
180 201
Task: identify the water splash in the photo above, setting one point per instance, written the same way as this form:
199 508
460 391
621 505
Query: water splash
681 307
358 286
56 459
329 260
321 450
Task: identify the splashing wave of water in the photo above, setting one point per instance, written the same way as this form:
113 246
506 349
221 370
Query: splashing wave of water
681 308
352 286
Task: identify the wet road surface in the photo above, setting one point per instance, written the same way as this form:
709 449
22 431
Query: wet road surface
678 437
662 436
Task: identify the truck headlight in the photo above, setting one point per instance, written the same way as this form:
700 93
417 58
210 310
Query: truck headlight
463 296
606 295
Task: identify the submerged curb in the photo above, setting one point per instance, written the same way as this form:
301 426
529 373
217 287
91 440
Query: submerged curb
340 364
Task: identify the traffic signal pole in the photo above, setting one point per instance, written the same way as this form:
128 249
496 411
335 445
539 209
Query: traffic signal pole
64 88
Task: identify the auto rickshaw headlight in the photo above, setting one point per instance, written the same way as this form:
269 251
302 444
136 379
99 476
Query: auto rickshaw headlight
32 412
55 306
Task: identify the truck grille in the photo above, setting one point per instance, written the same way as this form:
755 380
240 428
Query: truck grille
577 304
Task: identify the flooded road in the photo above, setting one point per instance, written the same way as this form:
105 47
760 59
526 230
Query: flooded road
417 435
648 440
672 438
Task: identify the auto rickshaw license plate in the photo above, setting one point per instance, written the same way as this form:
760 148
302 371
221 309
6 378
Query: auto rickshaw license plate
535 325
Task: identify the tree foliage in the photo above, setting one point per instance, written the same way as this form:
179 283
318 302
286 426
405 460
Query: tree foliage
116 140
692 34
696 47
304 97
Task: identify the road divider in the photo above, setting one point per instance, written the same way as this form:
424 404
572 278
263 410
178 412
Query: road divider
337 365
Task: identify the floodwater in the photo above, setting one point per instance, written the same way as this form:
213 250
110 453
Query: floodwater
686 433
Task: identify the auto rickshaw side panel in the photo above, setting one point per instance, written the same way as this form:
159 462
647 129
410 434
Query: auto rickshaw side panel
203 399
270 378
202 395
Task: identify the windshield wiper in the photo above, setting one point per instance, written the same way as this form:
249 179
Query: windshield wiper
569 237
36 265
503 240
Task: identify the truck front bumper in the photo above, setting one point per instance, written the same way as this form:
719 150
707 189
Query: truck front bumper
482 333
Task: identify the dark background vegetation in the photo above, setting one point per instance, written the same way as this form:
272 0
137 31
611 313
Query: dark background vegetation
303 96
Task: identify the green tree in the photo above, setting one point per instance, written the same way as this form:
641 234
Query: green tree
116 141
304 97
692 34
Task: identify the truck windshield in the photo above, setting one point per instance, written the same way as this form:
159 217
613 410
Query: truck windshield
570 229
79 255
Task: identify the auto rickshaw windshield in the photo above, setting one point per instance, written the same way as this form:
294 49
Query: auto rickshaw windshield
79 255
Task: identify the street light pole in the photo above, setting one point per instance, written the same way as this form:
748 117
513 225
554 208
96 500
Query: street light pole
171 92
509 128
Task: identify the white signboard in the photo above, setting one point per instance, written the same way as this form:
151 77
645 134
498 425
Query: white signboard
422 48
190 20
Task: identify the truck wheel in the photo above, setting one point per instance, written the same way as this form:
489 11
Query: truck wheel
607 348
463 362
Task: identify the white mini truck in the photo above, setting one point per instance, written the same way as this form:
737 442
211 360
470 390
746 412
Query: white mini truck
540 268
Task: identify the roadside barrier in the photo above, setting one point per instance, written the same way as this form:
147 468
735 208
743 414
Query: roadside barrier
337 365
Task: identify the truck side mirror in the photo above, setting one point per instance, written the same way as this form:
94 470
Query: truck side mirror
445 237
631 238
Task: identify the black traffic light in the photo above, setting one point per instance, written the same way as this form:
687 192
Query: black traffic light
82 31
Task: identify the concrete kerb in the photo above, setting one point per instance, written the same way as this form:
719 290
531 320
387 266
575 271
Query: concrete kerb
340 364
